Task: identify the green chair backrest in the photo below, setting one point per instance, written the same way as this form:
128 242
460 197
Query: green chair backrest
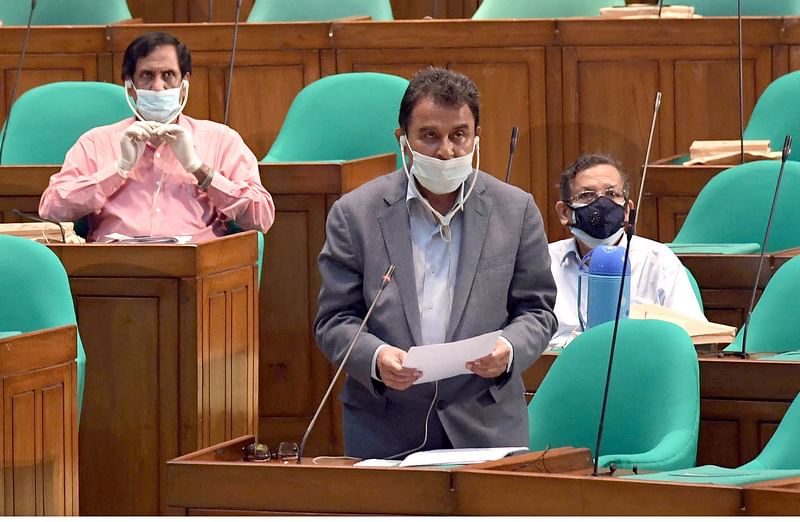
734 207
776 113
311 10
653 397
341 117
15 12
772 324
495 9
47 120
695 287
35 293
749 7
782 451
79 12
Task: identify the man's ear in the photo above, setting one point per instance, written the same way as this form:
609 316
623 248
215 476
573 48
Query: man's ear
478 130
564 213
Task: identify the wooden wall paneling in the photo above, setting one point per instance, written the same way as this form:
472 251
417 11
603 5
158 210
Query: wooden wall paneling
159 11
136 411
672 212
556 162
227 369
293 371
416 9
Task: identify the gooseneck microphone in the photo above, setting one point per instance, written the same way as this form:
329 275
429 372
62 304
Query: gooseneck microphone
385 280
787 149
660 6
34 217
16 78
511 149
233 60
629 232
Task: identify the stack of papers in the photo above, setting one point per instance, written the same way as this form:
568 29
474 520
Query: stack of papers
122 238
440 361
443 457
726 152
701 332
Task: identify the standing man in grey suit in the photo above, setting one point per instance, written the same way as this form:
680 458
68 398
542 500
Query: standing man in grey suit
471 258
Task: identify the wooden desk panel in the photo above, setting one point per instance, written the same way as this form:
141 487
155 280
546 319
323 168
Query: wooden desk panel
217 481
39 435
773 498
741 403
170 339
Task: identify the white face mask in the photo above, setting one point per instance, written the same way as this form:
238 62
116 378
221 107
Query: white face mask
161 106
429 169
593 242
441 176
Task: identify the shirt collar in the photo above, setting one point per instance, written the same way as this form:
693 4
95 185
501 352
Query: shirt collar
411 194
571 251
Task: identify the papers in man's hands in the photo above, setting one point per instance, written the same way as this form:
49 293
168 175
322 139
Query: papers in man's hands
122 238
458 456
440 361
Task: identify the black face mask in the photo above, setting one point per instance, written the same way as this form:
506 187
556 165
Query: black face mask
599 219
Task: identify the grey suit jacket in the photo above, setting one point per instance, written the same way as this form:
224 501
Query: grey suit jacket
503 282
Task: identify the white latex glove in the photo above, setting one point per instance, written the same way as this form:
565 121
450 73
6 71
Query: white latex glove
132 143
180 139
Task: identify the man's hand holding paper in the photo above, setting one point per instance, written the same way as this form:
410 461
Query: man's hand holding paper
481 354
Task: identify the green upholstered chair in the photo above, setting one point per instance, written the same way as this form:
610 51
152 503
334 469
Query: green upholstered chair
341 117
780 458
310 10
15 12
652 418
495 9
776 113
47 120
35 293
79 12
733 208
749 8
773 326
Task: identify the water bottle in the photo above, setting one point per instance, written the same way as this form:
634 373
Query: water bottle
602 270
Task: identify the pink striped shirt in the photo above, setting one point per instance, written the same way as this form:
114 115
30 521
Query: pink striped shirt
159 198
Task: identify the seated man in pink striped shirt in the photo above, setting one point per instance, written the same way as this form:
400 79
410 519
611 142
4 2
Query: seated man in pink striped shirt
159 173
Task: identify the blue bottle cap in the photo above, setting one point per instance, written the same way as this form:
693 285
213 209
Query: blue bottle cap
608 260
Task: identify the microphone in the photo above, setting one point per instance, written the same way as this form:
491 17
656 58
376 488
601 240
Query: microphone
34 217
387 277
787 149
16 78
512 149
210 10
633 211
629 232
660 6
233 60
741 81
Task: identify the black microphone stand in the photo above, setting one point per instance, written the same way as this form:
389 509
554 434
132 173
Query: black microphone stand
387 277
787 149
511 150
233 60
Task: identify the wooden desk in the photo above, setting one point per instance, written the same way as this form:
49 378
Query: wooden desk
741 403
172 353
726 282
774 498
215 481
39 438
293 372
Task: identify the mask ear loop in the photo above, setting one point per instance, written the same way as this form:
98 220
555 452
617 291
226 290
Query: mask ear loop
129 85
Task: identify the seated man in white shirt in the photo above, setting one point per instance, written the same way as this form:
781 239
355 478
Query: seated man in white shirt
594 205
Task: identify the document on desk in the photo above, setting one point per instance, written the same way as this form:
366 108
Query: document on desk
440 361
458 456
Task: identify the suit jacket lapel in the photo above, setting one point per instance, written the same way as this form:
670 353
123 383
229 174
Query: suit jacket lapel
476 222
396 232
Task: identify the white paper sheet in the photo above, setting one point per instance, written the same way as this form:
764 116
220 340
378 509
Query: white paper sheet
377 463
440 361
122 238
458 456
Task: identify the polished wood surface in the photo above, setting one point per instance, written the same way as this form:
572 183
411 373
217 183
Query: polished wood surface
217 481
741 403
172 349
39 435
571 85
773 498
726 282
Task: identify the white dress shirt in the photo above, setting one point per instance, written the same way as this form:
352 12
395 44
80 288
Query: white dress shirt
657 276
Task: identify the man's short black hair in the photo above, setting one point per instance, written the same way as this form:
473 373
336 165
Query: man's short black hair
588 161
444 87
145 44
